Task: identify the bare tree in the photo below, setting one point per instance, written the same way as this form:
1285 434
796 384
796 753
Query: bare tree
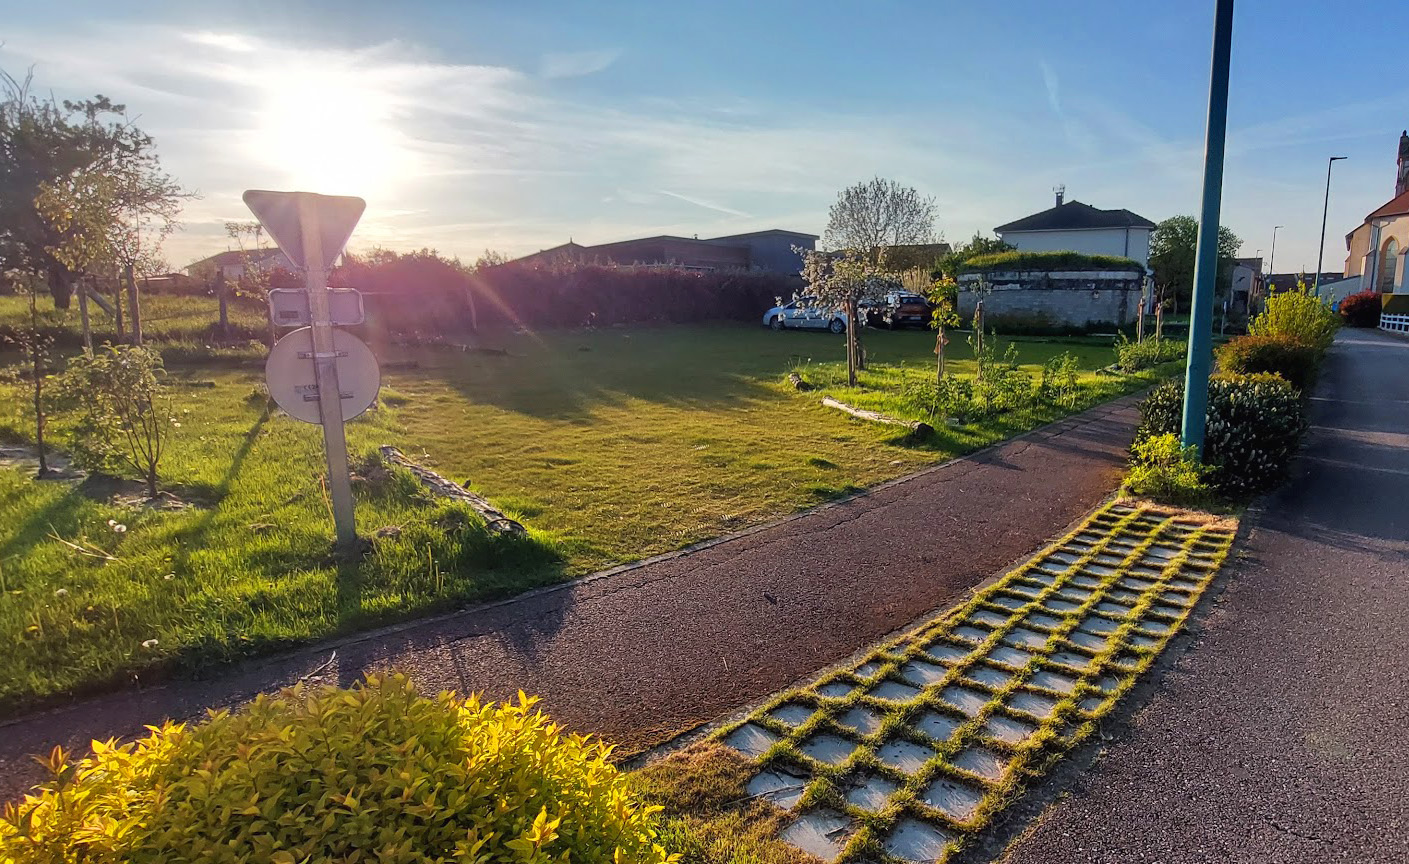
878 213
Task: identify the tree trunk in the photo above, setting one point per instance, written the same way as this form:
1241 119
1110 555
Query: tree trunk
134 304
83 317
851 343
918 427
37 356
978 337
939 354
151 484
117 312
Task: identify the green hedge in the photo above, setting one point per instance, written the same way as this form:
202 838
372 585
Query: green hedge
1295 361
1023 260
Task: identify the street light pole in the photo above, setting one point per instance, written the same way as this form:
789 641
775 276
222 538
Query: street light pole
1325 205
1272 261
1206 253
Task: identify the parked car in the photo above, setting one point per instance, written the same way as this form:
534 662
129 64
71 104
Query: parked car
898 309
804 314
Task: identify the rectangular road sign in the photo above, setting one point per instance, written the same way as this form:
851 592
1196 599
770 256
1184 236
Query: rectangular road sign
289 307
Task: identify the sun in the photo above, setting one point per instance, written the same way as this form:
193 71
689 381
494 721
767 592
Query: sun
332 131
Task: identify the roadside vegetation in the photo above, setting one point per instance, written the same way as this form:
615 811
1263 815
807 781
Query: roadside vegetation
325 775
1256 414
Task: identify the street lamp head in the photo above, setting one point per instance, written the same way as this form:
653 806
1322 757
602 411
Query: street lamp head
1338 158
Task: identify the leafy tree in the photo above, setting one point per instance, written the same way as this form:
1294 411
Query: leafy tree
125 417
943 294
842 280
1173 244
877 213
491 258
112 214
80 189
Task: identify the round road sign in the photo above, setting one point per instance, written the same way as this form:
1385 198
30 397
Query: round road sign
290 375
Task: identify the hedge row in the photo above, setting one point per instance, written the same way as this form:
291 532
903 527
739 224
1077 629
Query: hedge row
431 301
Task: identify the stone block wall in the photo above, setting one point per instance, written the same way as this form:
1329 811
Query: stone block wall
1053 299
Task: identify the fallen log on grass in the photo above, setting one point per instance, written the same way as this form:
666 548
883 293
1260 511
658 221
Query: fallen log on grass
493 519
916 427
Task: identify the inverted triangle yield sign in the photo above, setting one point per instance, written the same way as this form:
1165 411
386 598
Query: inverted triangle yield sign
281 215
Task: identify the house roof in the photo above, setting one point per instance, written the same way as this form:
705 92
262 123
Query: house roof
764 233
237 256
1396 206
1076 216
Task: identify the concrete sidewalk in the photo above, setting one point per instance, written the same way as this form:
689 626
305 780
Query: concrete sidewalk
643 653
1279 737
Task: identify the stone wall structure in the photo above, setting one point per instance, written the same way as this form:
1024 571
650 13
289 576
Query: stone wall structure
1053 299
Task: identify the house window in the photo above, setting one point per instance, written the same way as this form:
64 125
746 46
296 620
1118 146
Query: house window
1389 262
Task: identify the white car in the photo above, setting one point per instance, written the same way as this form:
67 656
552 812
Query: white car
804 314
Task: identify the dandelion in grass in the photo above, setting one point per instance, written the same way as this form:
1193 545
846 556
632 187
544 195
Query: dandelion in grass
149 644
62 592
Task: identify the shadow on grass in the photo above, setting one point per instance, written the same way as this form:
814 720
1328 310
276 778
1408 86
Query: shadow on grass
566 375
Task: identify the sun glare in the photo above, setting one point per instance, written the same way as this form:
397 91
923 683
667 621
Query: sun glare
327 131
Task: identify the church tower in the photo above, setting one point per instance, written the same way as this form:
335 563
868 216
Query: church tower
1401 183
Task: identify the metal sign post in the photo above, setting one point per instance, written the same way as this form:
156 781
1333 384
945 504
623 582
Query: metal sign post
326 375
312 230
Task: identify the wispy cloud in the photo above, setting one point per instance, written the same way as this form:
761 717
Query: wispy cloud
1076 133
576 64
464 156
708 205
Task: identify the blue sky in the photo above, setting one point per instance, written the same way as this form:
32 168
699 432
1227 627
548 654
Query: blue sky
515 125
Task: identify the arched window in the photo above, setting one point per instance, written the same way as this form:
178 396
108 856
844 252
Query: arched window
1389 261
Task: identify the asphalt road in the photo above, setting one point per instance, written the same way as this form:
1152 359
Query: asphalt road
643 653
1280 735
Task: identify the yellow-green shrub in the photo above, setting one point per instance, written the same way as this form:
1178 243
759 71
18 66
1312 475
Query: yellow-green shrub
1299 315
374 773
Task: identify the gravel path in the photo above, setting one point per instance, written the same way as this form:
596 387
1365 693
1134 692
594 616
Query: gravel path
642 653
1279 737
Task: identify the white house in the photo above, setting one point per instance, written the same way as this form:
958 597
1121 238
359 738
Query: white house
232 263
1076 227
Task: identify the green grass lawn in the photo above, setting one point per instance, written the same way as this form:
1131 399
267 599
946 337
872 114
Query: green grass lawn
608 445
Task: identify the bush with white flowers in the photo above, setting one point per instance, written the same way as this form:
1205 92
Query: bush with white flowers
1254 425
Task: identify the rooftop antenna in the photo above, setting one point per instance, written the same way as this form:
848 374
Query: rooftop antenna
1061 190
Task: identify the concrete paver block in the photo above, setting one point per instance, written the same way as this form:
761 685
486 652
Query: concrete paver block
819 832
751 740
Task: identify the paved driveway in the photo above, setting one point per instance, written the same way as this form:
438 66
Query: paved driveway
1280 736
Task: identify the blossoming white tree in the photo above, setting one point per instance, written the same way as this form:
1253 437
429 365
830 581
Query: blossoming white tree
842 281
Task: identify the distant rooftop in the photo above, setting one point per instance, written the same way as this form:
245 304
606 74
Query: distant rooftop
1076 216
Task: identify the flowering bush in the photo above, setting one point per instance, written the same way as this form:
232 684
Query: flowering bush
1299 315
1361 310
1277 354
1163 470
374 773
1254 424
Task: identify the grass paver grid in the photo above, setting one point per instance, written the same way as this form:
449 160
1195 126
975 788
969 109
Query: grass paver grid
968 708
